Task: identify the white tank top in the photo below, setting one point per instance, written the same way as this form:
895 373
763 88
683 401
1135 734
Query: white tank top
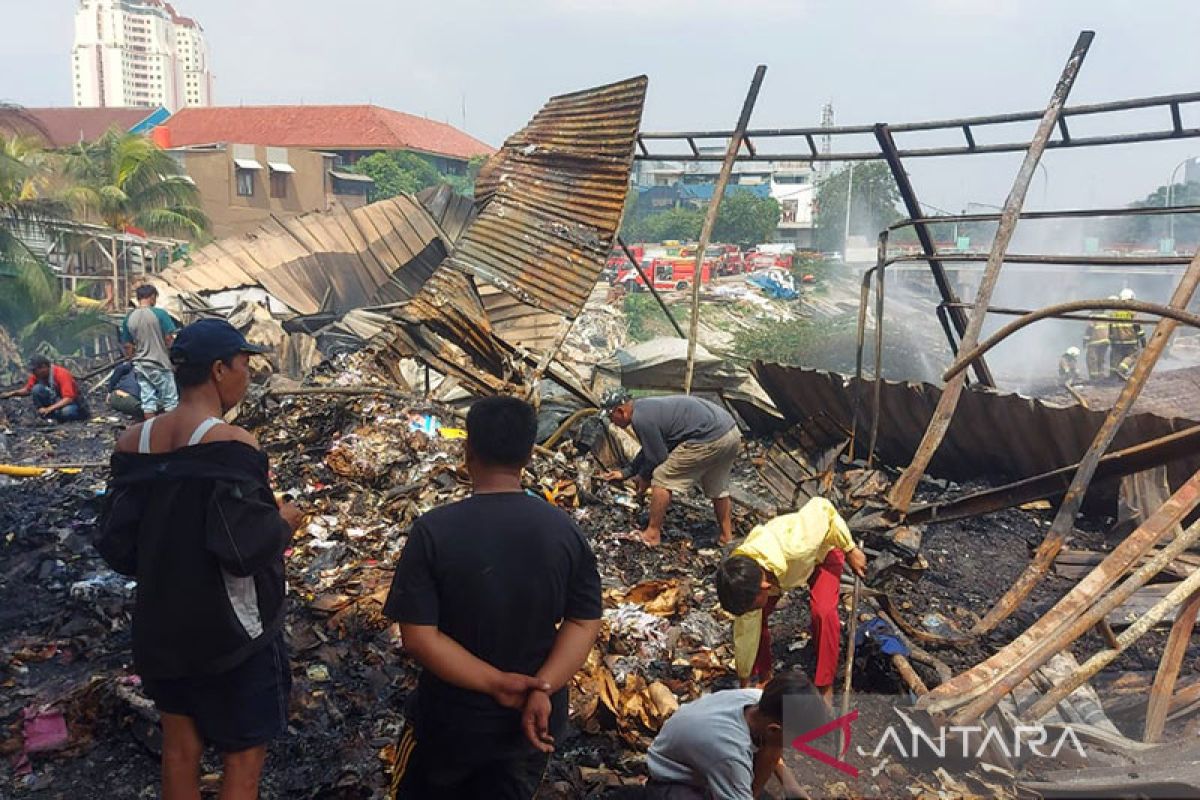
204 427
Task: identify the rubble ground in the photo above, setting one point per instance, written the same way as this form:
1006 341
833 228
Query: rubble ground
363 471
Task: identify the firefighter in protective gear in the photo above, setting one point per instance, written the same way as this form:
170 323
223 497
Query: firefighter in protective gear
1095 344
1125 336
1125 368
1068 366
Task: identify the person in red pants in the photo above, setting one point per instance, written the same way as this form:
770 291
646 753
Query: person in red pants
808 547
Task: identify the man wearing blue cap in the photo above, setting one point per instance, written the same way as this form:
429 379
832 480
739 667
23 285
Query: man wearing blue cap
190 513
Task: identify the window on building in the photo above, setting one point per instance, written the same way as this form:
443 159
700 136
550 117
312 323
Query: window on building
279 184
245 182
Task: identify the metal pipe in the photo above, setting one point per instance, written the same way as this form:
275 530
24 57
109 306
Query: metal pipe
1019 312
937 152
1076 213
1025 258
650 285
1072 629
710 219
902 491
877 405
1105 657
930 125
1163 689
864 296
1064 519
888 145
979 679
1172 313
1129 461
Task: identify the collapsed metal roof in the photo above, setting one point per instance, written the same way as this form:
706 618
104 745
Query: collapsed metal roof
324 261
552 198
992 434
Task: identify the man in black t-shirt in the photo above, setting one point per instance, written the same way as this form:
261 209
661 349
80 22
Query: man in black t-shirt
498 599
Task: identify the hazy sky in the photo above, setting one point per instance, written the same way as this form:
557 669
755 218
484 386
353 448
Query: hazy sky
877 60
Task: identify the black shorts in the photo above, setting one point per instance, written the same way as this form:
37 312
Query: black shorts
422 774
235 710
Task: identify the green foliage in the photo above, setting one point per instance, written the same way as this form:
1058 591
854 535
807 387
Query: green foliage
875 200
27 287
1144 232
683 224
645 319
743 218
826 344
746 218
128 181
399 172
64 328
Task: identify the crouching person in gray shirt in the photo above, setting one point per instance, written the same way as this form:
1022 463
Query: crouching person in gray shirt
726 745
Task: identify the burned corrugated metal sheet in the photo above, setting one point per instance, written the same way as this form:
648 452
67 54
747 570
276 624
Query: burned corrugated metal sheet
330 261
990 435
552 198
450 210
520 324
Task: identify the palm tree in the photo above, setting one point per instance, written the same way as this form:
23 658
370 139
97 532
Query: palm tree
27 286
33 306
128 181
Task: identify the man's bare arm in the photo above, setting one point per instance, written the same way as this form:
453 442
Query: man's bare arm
571 647
457 666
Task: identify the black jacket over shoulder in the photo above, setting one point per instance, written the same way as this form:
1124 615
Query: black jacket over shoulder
200 530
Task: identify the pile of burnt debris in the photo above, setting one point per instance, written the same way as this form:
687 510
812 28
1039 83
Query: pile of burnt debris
364 460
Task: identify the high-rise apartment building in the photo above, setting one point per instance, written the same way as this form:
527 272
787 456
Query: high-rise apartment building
139 53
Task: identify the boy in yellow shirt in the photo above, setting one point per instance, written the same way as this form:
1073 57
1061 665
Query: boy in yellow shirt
809 547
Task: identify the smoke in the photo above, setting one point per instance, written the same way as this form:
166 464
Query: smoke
1027 361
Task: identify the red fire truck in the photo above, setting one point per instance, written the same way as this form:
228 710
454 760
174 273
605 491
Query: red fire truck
668 274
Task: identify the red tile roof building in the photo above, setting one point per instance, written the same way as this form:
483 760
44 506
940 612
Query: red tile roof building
63 127
340 129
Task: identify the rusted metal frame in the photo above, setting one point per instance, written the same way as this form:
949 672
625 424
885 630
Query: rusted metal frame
1129 461
1172 313
1020 312
650 285
1172 102
1064 520
977 680
902 491
1168 669
710 218
1028 258
1127 637
877 405
938 152
864 296
931 125
913 206
1073 213
1071 628
943 315
1063 131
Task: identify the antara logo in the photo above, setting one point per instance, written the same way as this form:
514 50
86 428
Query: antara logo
912 742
